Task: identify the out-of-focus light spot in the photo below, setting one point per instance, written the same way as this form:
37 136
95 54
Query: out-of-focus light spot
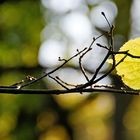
61 6
55 133
51 31
94 130
92 123
7 124
76 26
92 2
131 122
50 51
102 106
110 10
42 120
69 101
135 15
135 10
131 118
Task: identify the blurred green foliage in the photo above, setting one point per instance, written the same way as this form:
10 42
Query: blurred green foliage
123 20
21 23
20 27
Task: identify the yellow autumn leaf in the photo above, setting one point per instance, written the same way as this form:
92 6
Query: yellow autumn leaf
129 68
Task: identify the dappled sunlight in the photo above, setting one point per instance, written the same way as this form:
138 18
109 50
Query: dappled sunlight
69 101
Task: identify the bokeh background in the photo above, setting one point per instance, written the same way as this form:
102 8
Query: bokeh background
33 34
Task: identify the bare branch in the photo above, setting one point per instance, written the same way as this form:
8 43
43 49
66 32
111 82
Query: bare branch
57 92
85 87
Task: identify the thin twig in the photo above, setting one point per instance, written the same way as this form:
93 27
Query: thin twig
105 47
92 80
103 14
80 64
127 53
112 68
71 85
59 67
57 92
60 83
65 62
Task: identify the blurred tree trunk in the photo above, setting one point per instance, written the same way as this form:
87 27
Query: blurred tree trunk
123 27
123 20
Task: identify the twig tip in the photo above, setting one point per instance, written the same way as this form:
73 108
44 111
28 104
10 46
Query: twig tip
103 13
